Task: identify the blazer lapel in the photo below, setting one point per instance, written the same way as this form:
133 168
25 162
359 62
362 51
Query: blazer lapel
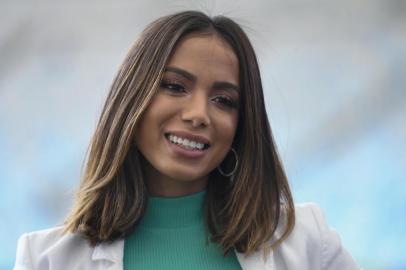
112 252
255 261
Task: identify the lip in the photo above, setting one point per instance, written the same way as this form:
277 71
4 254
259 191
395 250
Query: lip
182 152
190 136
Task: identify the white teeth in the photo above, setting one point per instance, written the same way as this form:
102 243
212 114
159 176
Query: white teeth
185 142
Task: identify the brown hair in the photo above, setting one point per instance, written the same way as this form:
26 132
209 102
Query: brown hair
243 214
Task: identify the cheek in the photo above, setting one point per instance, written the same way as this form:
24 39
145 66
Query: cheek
157 115
226 128
146 128
140 137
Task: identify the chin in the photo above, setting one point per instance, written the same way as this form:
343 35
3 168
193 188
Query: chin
188 176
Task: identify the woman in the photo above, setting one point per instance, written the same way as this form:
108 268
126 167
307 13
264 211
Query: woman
182 171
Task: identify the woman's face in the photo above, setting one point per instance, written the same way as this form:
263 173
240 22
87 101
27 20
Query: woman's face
189 126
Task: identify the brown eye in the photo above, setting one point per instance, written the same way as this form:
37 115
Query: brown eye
172 86
226 101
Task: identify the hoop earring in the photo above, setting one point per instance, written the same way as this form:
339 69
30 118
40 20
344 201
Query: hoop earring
235 166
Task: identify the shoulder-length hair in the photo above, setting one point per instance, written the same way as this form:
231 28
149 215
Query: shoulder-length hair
242 214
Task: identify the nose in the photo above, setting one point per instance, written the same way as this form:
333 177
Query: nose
196 111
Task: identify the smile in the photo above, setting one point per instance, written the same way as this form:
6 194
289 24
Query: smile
186 143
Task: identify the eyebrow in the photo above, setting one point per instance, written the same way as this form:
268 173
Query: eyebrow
189 76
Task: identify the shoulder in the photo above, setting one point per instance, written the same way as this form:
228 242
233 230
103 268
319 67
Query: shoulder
45 240
309 222
312 243
38 250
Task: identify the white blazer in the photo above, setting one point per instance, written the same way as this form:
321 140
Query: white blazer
312 245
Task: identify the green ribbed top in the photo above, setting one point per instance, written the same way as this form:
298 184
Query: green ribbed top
171 235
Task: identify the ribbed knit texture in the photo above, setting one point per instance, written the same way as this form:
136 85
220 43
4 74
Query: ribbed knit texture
171 235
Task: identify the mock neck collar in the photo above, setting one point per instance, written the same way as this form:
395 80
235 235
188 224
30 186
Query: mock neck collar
173 212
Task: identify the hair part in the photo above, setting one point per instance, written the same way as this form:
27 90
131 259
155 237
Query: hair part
112 196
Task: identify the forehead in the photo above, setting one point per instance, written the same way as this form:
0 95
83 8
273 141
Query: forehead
196 50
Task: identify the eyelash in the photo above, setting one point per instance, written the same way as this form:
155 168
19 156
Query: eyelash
172 86
178 88
226 101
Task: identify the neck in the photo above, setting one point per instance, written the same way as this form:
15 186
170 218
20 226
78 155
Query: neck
174 212
175 188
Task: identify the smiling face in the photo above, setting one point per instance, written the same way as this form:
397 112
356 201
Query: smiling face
189 126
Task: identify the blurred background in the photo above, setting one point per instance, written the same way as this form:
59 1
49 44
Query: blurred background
334 74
